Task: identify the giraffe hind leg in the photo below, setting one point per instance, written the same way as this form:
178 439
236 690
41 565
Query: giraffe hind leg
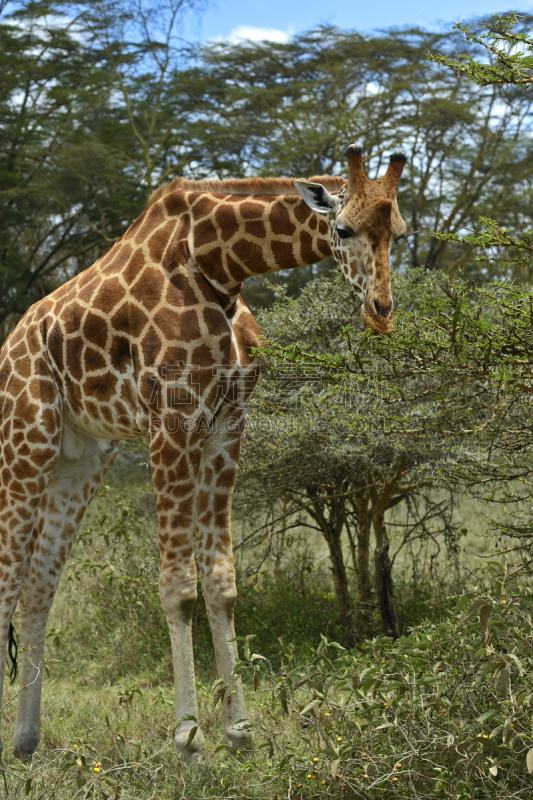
29 448
72 485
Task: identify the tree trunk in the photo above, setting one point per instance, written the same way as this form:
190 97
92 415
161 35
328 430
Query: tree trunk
331 527
364 584
383 572
279 547
351 541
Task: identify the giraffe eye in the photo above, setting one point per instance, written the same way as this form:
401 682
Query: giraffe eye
342 233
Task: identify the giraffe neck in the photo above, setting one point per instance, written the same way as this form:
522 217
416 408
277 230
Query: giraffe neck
235 237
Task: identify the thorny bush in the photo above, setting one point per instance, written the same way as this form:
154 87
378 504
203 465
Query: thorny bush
442 713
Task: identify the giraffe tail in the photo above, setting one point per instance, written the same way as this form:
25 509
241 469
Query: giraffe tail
12 652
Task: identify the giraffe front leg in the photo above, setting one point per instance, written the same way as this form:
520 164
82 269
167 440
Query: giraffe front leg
217 570
220 591
177 589
175 466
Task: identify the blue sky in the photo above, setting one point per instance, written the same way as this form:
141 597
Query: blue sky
277 19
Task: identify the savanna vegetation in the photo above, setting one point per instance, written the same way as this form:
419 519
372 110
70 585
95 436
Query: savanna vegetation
383 510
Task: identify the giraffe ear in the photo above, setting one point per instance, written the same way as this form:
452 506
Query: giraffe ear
317 197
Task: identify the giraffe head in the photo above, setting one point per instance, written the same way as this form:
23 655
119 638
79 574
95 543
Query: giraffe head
365 224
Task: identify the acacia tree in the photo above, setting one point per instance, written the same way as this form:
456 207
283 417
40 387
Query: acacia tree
46 209
150 67
101 101
92 114
504 59
362 423
471 352
504 52
317 443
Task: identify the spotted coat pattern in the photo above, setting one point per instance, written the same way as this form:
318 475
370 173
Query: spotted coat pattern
154 340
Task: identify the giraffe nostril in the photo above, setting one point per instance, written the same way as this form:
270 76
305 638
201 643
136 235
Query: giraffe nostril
382 311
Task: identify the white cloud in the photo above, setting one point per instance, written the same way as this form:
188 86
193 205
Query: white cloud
250 32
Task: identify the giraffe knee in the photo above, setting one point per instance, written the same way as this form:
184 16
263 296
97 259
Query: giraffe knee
224 596
178 599
228 599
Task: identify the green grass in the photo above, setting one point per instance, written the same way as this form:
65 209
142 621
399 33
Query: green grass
108 695
443 713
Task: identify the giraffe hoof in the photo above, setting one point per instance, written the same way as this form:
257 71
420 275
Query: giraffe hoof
25 744
239 742
192 751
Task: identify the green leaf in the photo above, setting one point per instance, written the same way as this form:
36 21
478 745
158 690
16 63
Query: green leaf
192 734
488 715
484 616
309 706
80 779
517 661
473 610
503 684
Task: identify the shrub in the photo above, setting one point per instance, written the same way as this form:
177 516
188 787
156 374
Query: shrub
442 713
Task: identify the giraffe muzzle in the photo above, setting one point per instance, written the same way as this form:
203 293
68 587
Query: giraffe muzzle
377 316
382 310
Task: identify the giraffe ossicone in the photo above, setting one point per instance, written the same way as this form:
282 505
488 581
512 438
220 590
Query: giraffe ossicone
154 339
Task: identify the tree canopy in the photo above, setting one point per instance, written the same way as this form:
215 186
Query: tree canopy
102 101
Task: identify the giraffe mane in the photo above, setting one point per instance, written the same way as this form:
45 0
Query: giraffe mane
245 186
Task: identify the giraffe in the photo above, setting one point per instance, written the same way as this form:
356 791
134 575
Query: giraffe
154 340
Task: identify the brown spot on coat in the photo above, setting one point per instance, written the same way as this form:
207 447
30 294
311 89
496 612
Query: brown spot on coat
101 386
227 221
109 295
151 346
255 228
178 326
251 210
158 241
95 329
180 292
250 254
94 360
280 221
129 319
284 254
307 250
216 321
149 288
